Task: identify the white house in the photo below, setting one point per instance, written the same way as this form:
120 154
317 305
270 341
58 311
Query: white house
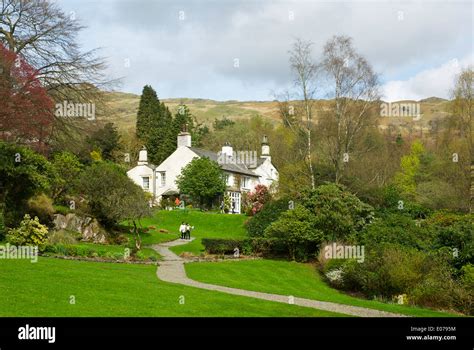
242 175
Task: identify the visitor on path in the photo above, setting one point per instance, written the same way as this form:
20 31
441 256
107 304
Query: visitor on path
182 230
188 231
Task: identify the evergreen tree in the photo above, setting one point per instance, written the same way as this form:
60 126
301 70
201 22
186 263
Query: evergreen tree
155 126
147 109
183 117
161 141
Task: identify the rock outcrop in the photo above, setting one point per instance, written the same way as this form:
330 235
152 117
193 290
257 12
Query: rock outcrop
88 227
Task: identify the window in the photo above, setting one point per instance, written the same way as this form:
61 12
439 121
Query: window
226 179
245 182
163 178
146 183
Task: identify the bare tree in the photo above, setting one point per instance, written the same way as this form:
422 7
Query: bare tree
45 37
305 70
463 110
353 86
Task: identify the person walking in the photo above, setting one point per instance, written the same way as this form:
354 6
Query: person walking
182 230
188 231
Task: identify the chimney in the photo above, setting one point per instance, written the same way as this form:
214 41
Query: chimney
227 149
143 156
265 148
184 139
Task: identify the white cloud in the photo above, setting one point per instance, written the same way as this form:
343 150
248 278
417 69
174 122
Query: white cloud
436 81
195 56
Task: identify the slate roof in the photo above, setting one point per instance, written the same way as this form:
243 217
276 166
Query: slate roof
229 166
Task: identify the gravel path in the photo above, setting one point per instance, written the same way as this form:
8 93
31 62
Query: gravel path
171 269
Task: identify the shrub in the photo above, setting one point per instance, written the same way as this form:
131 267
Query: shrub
271 211
337 213
390 270
327 213
62 237
258 198
121 239
222 246
327 265
42 207
458 236
227 203
166 203
140 255
433 292
335 276
397 228
2 224
256 246
296 231
438 194
118 256
468 276
30 232
61 209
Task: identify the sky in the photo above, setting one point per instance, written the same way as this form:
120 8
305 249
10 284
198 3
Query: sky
238 50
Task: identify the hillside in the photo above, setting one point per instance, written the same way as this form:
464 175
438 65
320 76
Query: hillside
124 106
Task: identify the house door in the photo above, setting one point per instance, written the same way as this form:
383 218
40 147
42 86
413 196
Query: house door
235 202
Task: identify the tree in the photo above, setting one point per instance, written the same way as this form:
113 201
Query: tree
201 179
26 110
46 37
463 110
185 119
67 169
354 89
111 195
106 140
405 179
148 107
182 119
155 126
23 173
220 124
305 71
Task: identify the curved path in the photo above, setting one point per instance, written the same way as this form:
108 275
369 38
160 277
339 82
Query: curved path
171 269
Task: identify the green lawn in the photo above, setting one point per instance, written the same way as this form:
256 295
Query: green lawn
287 278
206 224
108 289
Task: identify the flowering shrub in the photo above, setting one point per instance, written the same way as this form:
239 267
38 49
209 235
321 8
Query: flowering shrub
258 198
334 275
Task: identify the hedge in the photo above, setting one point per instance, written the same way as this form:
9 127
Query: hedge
257 246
